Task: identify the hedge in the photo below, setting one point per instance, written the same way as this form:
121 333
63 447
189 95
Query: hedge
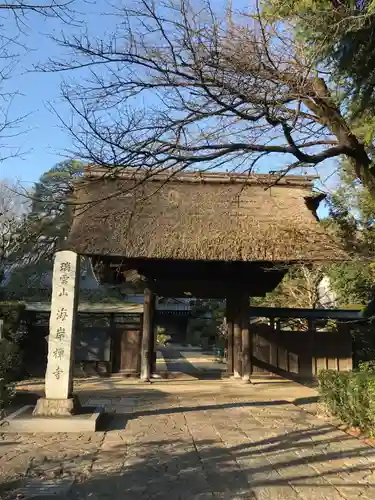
11 313
351 396
10 357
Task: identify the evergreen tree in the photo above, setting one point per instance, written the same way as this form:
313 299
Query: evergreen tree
352 219
44 228
339 34
51 215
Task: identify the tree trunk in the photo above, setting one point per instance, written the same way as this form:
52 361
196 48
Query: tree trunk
322 105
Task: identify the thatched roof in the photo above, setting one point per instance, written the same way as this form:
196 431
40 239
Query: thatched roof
195 216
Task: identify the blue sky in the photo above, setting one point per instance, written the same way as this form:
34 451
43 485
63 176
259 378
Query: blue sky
44 139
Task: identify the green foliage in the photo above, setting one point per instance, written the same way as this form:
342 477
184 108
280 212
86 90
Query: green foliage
11 314
299 288
51 215
352 213
351 220
339 35
367 366
161 337
353 282
363 335
42 230
204 329
27 282
10 355
49 220
350 396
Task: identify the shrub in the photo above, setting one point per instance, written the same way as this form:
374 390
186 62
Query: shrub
10 356
161 337
367 366
9 364
350 396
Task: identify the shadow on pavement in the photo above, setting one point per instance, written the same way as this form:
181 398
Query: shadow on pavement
203 468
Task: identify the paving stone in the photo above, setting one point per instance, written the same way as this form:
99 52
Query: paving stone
36 488
198 440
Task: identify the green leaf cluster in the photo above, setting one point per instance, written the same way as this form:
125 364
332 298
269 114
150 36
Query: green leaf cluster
350 396
339 37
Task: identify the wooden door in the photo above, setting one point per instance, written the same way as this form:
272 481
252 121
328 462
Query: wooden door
130 345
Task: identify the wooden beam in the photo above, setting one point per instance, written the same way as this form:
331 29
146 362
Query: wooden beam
285 312
147 335
229 318
123 307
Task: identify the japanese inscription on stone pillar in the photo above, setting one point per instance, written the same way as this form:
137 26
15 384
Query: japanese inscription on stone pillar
62 324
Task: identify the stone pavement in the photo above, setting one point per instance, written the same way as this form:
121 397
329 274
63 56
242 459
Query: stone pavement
190 361
193 439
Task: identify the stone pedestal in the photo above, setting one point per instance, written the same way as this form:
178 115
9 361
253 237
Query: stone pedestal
59 377
48 407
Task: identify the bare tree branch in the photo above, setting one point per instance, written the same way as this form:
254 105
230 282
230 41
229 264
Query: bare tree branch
181 87
16 22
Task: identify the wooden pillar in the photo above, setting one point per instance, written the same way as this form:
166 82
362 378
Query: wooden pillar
229 317
312 330
246 340
147 335
115 346
237 338
345 353
152 351
273 346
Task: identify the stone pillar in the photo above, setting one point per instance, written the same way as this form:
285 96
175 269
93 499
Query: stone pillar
147 335
59 375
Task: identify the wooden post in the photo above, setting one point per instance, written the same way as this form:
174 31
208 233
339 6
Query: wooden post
246 341
312 329
345 361
237 339
229 317
152 357
273 347
114 365
147 335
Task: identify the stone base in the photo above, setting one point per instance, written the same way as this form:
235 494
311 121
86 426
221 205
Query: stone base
24 420
47 407
145 380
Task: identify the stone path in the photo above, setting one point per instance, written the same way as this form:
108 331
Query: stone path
194 440
191 362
